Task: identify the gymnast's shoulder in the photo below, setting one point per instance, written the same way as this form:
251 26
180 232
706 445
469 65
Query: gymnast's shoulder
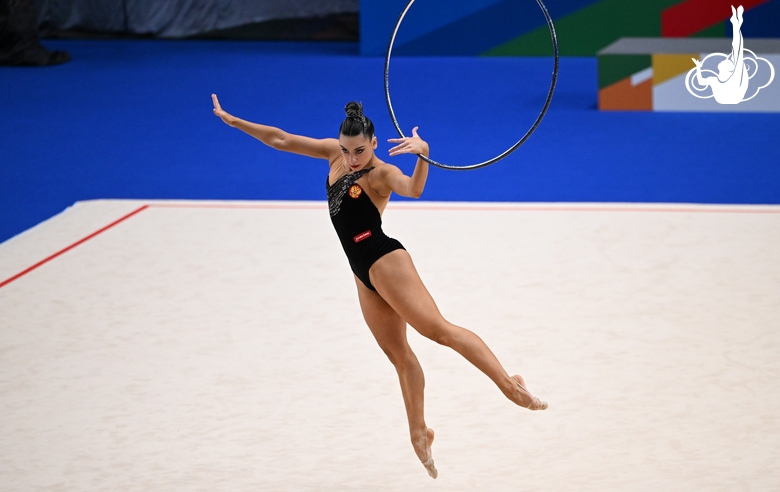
386 178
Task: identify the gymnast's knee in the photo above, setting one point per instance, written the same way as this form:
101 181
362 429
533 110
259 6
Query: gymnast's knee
439 331
396 354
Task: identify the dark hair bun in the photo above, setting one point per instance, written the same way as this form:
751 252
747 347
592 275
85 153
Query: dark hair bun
356 123
354 110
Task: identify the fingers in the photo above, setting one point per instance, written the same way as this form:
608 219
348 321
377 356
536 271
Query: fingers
414 147
398 149
215 101
404 148
404 139
399 140
407 145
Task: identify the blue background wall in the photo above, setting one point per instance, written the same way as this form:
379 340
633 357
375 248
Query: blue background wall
453 27
133 119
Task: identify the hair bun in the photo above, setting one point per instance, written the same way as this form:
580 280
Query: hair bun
354 110
356 123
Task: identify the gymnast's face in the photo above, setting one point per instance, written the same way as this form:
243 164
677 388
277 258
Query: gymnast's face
357 151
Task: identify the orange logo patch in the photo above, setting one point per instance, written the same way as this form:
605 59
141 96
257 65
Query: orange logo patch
355 191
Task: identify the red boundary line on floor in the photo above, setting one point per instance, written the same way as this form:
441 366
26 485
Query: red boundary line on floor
63 251
394 207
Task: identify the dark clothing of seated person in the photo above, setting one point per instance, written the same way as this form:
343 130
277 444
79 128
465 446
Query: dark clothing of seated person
19 39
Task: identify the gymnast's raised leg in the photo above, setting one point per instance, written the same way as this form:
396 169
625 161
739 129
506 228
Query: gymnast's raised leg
401 297
397 281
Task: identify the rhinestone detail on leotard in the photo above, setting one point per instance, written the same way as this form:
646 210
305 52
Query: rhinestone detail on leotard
337 190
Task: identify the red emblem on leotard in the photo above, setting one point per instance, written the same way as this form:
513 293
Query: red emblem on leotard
362 236
355 191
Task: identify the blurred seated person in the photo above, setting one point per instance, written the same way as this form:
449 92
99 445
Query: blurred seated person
19 41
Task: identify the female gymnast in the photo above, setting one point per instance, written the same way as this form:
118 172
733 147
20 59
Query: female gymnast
390 291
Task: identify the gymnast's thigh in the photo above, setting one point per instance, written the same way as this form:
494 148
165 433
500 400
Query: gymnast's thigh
396 280
387 326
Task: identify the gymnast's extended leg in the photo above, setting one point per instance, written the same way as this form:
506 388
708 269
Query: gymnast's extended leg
397 281
389 330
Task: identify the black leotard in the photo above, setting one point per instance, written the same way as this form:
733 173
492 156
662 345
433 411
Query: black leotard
358 224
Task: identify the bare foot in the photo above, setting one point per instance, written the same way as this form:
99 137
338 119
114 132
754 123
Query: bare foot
526 398
423 449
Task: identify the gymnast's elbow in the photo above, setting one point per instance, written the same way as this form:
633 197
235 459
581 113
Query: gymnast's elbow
415 193
278 142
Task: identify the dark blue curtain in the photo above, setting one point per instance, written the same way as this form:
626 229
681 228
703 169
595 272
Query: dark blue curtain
179 18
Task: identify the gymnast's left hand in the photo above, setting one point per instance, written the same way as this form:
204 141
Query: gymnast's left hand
409 145
224 115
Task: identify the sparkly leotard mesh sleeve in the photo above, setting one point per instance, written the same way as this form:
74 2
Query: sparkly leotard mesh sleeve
358 225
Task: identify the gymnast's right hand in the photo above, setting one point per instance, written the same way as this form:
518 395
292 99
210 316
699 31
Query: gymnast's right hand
224 115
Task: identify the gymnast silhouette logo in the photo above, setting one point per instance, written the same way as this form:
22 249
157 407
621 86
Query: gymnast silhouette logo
731 84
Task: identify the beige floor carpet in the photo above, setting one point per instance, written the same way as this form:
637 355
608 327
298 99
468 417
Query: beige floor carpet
219 346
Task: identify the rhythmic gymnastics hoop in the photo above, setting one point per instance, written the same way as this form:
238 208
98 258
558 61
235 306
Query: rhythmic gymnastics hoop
519 142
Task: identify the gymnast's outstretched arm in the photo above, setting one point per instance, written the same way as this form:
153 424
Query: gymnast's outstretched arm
701 80
278 139
390 178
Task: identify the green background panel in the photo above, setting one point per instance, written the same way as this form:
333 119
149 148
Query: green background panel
614 68
586 31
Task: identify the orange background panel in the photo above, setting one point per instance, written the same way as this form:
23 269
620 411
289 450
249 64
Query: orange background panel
622 96
666 67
